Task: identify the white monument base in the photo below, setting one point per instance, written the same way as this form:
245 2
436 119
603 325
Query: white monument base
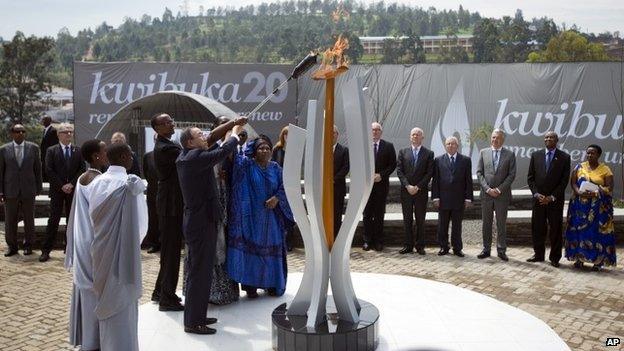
416 314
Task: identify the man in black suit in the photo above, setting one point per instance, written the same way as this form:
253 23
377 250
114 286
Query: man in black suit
152 239
20 182
49 138
549 172
120 138
64 164
169 206
202 212
451 191
341 168
414 169
385 163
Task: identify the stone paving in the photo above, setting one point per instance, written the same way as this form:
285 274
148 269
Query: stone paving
583 307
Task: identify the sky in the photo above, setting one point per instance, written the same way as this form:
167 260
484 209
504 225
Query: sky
47 17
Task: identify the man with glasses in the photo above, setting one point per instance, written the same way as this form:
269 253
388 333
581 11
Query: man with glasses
169 206
20 182
64 165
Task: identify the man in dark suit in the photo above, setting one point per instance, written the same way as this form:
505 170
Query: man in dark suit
120 138
414 169
64 164
152 239
548 175
202 212
49 138
385 163
341 168
496 172
451 191
169 206
20 182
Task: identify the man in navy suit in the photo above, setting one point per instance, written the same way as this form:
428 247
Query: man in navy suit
548 175
202 212
451 191
385 163
341 168
50 137
414 169
64 164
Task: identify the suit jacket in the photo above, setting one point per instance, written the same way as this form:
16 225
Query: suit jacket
417 173
59 171
500 178
149 171
20 181
341 165
49 138
198 184
278 156
169 197
452 186
553 182
385 162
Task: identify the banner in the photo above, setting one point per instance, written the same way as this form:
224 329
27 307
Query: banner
101 89
581 102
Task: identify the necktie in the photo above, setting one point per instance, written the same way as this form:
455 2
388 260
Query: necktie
548 160
67 153
495 160
415 154
19 154
453 163
375 147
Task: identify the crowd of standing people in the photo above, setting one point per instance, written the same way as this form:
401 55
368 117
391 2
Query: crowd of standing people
222 196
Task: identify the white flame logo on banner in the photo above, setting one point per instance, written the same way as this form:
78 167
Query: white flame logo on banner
455 123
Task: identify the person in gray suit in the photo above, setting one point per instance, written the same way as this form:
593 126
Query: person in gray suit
496 172
20 182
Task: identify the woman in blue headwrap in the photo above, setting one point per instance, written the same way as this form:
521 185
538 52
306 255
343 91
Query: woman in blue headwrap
259 218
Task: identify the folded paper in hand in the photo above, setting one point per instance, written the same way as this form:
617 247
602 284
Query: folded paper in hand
585 186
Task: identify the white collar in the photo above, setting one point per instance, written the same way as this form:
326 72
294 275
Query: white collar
417 148
116 170
18 145
499 149
453 155
63 146
548 150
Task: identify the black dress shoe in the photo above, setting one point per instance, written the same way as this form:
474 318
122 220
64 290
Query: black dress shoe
210 320
554 264
200 329
153 249
378 247
156 296
483 254
10 252
405 250
252 294
44 257
421 251
27 251
171 308
535 259
503 256
458 253
366 247
443 252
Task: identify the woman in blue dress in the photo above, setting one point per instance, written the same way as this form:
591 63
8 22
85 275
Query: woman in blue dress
589 237
258 221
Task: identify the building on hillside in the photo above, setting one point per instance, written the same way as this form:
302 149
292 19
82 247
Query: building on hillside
431 43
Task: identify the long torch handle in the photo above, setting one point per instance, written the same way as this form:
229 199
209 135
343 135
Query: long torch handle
268 97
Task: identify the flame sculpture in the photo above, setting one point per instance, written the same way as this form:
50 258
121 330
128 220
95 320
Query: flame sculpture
324 258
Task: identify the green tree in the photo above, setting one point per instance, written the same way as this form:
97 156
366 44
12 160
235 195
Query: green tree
569 46
391 51
485 41
24 72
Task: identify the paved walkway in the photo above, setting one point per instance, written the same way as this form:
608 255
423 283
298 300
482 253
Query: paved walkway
584 307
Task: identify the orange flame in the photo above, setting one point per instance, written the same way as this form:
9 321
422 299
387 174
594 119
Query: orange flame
334 61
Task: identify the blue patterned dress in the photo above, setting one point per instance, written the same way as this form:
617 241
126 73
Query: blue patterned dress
589 236
256 254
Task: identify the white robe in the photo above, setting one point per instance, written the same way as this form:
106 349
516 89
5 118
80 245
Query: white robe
83 324
118 210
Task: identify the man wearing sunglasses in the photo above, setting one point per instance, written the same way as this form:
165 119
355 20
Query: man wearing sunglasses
64 164
20 182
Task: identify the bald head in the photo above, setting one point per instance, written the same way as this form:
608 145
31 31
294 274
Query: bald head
416 137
